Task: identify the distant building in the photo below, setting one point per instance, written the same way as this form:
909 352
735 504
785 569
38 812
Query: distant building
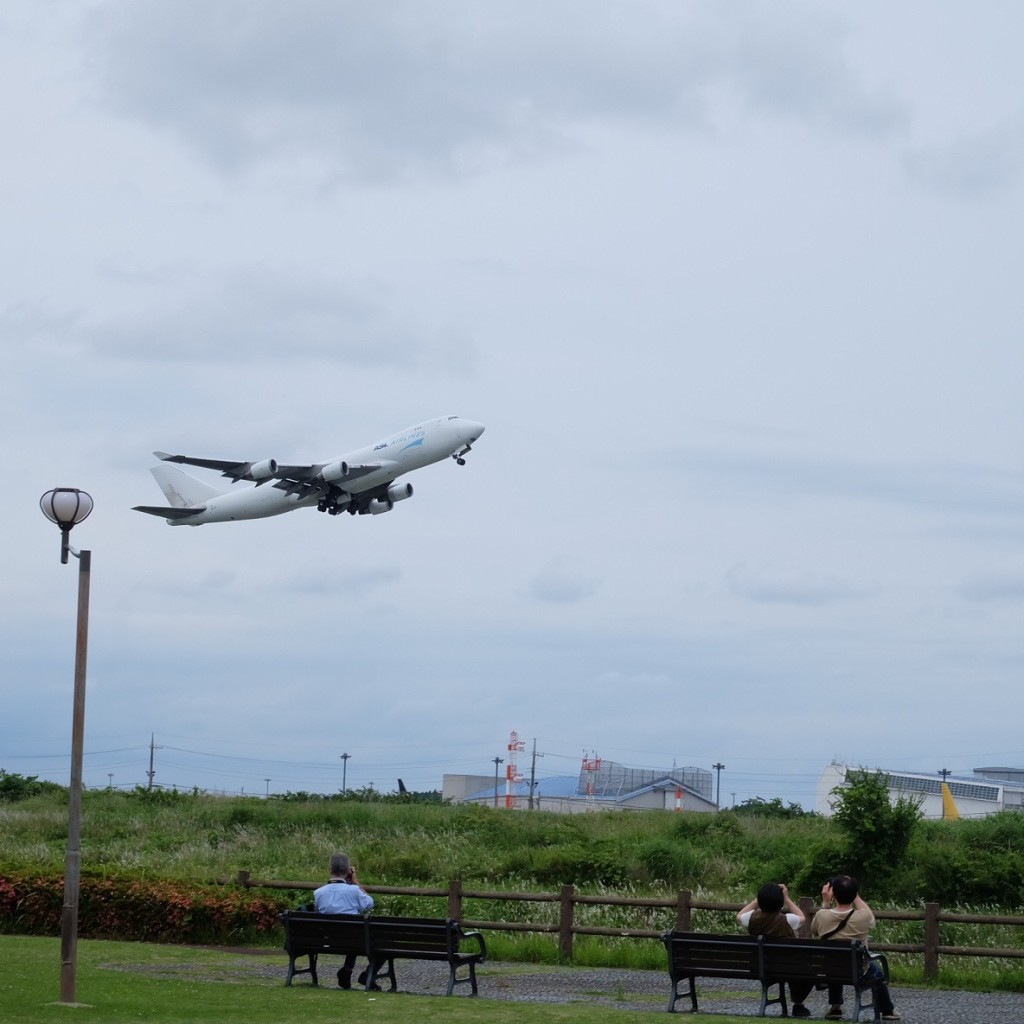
986 791
608 786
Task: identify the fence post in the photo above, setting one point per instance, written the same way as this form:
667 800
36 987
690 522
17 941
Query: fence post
807 908
683 911
931 941
565 921
455 899
243 879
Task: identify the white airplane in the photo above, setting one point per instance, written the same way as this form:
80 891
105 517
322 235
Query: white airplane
363 482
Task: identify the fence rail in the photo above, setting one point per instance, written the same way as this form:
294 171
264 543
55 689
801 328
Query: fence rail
682 906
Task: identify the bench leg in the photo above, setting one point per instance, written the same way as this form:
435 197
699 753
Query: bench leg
675 995
454 979
293 970
374 974
766 1000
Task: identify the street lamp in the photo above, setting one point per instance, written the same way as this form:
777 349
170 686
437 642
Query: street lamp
68 506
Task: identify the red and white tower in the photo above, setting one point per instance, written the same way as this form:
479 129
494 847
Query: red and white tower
515 746
591 765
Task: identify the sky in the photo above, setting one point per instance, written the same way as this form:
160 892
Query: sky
733 287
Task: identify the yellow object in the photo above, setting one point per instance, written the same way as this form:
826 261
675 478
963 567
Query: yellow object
949 807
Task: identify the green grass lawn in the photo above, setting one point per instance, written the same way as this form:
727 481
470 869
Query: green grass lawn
123 981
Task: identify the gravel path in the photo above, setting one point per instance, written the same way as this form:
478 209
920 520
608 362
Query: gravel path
625 989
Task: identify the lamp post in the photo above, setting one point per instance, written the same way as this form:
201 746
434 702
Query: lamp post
68 506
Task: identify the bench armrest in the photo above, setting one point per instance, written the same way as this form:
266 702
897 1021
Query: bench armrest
476 937
883 963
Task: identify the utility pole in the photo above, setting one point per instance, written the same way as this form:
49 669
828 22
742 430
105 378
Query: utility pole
497 761
151 772
344 773
718 766
533 774
945 773
267 781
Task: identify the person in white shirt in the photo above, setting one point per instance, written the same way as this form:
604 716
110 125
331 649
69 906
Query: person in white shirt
343 895
773 912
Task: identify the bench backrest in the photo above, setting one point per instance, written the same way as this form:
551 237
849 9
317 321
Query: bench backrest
714 956
324 932
765 957
413 935
814 959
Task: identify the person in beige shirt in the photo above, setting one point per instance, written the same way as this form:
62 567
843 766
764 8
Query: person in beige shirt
844 915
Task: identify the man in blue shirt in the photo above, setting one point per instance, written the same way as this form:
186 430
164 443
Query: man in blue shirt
343 895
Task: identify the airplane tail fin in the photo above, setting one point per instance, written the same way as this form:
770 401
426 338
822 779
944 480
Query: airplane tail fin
180 489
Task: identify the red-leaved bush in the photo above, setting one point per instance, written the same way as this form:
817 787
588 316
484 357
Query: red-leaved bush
148 911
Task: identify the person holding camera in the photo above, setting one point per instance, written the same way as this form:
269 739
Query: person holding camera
343 895
773 912
844 915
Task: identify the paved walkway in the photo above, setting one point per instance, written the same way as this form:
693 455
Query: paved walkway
625 989
650 990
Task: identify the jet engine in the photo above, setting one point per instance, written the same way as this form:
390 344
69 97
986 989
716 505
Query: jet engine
334 471
399 492
396 492
263 470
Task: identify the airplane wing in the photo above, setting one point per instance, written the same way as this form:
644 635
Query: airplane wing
234 471
299 479
303 480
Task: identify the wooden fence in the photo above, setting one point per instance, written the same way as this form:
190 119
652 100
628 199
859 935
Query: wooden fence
682 907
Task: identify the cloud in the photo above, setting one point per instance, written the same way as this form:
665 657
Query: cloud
382 92
974 166
786 476
253 315
993 588
792 587
561 582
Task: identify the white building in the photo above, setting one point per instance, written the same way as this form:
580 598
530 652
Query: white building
986 791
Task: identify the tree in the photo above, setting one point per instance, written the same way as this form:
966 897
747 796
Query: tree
760 808
877 829
14 787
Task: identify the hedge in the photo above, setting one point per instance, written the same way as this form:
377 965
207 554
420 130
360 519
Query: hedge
144 911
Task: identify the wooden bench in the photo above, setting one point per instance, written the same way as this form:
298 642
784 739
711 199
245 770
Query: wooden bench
382 940
308 934
423 938
772 962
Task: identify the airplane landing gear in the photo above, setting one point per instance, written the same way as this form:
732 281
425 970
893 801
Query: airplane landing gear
459 457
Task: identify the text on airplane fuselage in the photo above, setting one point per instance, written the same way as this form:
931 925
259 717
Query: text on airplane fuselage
414 436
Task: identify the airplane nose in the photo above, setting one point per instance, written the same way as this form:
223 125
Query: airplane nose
475 429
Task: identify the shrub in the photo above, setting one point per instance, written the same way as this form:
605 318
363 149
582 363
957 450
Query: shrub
14 787
134 910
